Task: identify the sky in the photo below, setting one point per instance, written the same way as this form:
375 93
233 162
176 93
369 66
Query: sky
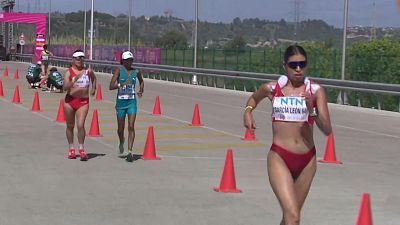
380 13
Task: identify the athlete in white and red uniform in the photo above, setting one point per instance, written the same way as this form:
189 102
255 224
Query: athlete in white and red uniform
297 103
77 81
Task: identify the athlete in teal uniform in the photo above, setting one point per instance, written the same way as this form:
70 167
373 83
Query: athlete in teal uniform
124 79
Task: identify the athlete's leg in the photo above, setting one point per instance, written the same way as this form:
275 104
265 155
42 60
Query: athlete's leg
283 186
121 127
303 182
81 114
131 130
69 114
43 70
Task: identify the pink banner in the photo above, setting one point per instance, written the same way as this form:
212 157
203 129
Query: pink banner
38 19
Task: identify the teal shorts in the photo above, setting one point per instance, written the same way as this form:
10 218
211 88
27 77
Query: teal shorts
122 112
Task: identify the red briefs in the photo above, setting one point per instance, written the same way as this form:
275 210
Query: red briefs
295 162
76 102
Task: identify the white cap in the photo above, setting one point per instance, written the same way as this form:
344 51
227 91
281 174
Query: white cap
78 54
127 55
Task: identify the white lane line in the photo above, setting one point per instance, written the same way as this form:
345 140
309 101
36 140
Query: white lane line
211 158
268 112
59 124
186 122
368 131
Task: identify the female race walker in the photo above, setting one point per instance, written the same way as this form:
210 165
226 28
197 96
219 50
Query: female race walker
124 79
296 103
77 80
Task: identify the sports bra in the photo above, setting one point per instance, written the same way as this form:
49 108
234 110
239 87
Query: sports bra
44 55
291 108
83 81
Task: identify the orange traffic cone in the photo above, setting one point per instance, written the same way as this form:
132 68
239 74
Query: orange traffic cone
16 74
60 114
16 99
364 213
196 116
6 72
330 156
248 136
35 104
228 182
149 152
94 126
99 95
157 109
1 89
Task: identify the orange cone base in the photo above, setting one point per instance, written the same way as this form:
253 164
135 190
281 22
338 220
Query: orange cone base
94 135
196 125
150 158
227 190
330 161
248 139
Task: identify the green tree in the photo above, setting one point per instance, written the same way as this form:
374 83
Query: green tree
172 39
238 42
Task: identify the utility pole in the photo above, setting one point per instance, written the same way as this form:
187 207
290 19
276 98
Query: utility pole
49 22
342 97
91 32
296 17
84 28
373 28
129 25
194 78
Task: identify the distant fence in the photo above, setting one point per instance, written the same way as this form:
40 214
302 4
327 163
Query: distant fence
107 53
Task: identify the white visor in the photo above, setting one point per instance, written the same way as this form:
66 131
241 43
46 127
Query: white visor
78 54
127 55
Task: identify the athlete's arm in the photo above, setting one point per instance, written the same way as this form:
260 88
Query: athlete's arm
67 82
263 92
141 83
113 83
93 79
323 120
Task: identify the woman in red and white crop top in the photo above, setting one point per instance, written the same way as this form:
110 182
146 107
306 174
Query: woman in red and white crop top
297 102
77 81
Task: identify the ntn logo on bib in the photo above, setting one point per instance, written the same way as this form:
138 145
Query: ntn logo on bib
290 109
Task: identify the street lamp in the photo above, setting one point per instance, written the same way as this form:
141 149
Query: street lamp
194 78
343 98
84 28
91 32
129 25
49 21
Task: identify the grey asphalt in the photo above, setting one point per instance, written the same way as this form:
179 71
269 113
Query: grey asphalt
40 186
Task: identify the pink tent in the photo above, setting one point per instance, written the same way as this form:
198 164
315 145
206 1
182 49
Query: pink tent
38 19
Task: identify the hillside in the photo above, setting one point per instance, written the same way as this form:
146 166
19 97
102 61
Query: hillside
146 31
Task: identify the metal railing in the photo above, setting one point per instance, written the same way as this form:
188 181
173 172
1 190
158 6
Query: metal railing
167 72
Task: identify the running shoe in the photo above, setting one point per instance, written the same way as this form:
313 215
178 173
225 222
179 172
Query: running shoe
129 157
121 148
83 155
71 154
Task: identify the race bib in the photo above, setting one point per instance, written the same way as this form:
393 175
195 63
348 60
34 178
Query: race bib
45 57
126 92
290 109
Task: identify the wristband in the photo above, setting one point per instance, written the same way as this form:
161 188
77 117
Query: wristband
248 108
314 112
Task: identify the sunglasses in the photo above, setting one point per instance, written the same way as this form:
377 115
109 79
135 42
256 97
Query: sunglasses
78 58
295 64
